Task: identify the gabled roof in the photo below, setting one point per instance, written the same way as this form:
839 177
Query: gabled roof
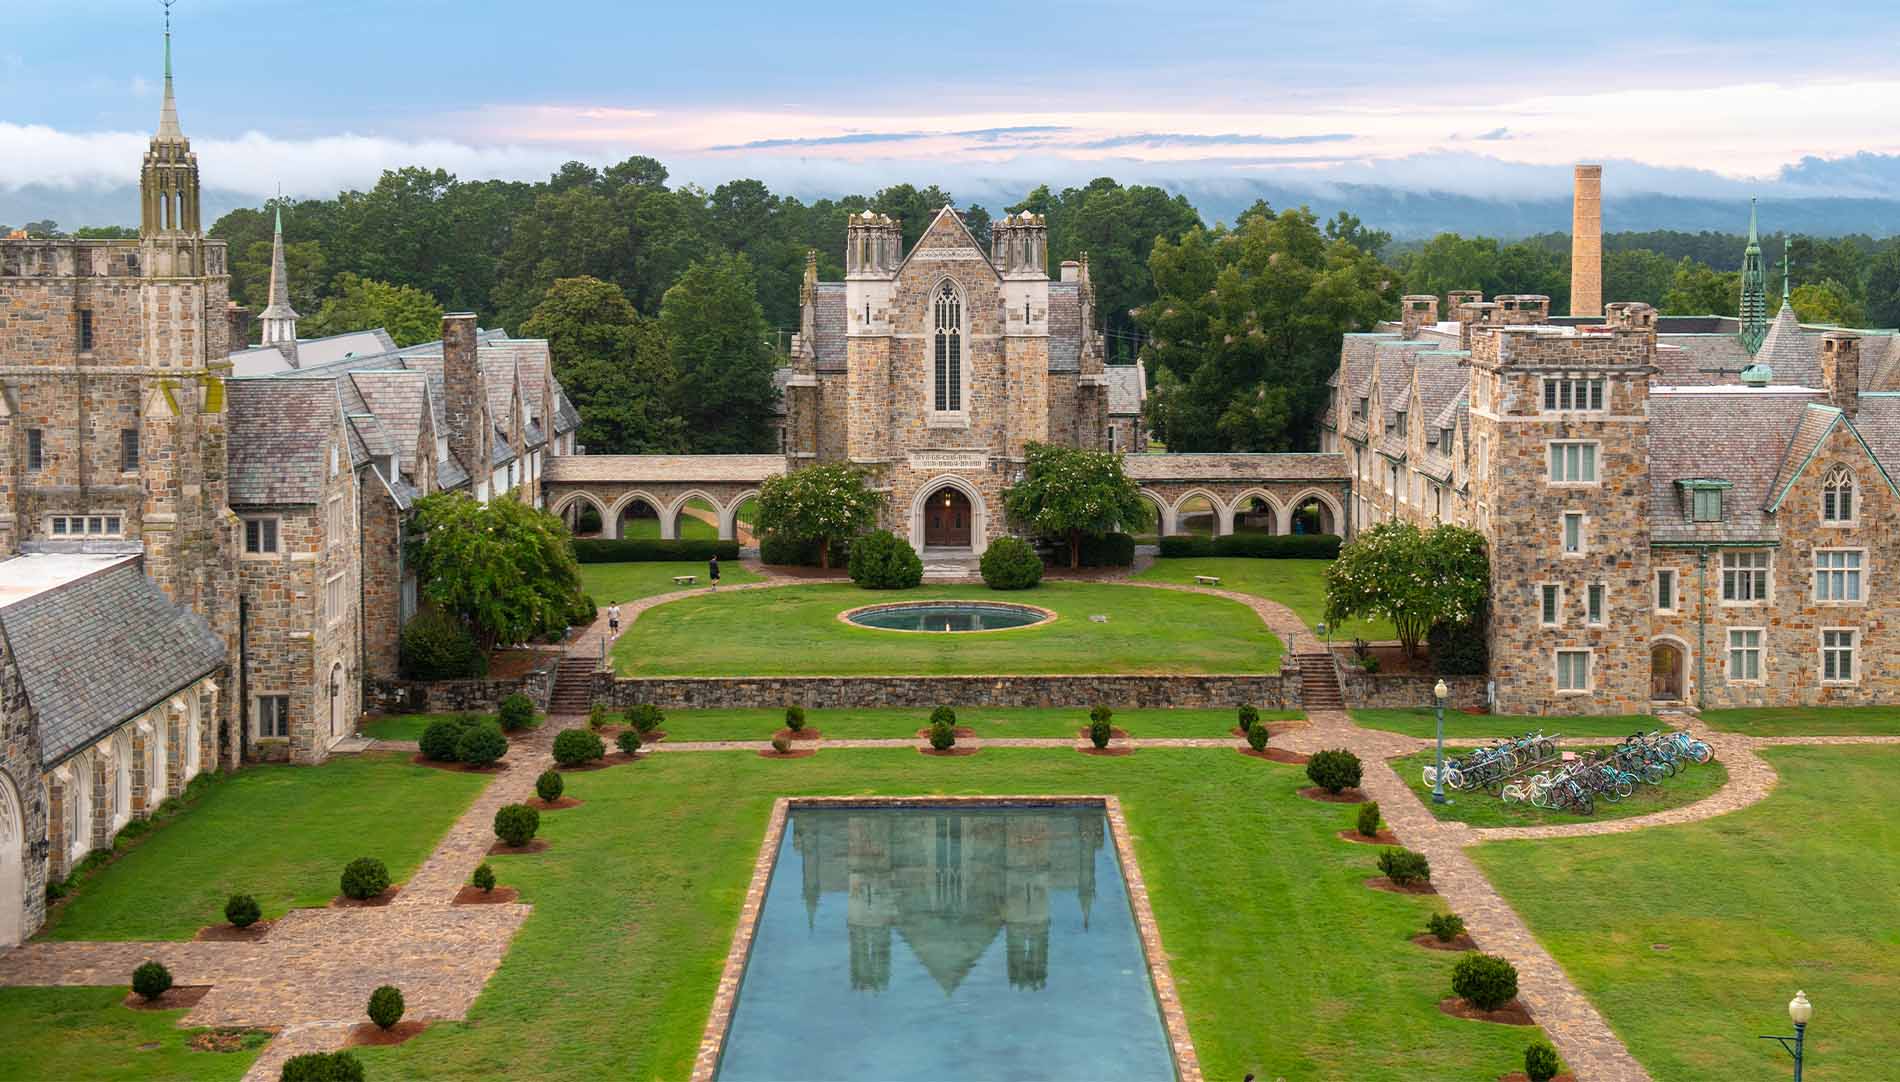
1816 425
1789 351
278 429
968 237
1126 388
1739 438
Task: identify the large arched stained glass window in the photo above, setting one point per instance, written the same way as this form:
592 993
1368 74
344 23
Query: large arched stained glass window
949 346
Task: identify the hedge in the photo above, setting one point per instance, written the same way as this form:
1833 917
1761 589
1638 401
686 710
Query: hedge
1107 550
1321 546
630 551
801 552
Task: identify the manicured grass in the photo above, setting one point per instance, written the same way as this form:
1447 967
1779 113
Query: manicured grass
1421 721
795 630
1481 809
1793 893
1300 585
71 1033
282 833
900 724
1287 965
1808 721
648 529
610 584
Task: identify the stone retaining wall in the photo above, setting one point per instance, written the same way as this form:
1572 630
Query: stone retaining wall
825 692
1363 690
452 696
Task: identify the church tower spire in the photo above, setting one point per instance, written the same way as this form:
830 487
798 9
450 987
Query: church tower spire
168 183
279 319
1754 307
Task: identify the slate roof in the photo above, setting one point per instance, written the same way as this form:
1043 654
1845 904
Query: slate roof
1790 352
397 399
1698 360
267 360
1065 327
278 428
1741 438
101 649
1127 386
663 467
1316 466
828 327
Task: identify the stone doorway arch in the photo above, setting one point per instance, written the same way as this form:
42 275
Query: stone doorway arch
1668 665
12 865
977 521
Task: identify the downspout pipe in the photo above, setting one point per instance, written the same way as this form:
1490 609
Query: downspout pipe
1701 621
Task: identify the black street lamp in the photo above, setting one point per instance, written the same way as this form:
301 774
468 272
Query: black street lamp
1440 693
1799 1011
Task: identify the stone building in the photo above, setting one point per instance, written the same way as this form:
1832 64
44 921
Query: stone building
1679 509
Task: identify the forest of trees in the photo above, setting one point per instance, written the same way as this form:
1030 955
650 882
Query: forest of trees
670 305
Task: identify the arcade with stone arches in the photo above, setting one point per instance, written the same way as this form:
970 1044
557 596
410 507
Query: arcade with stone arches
1203 509
658 497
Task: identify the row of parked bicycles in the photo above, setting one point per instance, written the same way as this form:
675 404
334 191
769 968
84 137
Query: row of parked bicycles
1507 769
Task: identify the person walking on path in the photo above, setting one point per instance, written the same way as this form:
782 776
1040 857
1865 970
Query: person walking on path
712 571
613 621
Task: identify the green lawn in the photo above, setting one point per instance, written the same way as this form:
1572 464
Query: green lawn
1421 721
1481 809
1300 585
648 529
610 584
1796 892
1287 965
795 630
69 1033
1808 721
899 724
282 833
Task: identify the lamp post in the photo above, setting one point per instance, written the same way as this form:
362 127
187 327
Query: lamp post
1799 1011
1439 694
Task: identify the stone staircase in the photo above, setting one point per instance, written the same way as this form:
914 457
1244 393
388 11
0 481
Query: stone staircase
1319 684
573 686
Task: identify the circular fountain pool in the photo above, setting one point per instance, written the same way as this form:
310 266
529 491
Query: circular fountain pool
947 616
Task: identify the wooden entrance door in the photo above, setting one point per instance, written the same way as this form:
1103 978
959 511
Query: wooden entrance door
1665 671
947 519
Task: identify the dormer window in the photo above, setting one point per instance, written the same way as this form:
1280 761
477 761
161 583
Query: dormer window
1445 439
1837 497
1707 505
1398 422
1360 409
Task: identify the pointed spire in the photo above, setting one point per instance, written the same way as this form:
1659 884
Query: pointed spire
1754 306
279 319
168 112
1787 267
1754 241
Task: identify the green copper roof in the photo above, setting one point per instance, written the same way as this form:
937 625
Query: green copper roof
1754 306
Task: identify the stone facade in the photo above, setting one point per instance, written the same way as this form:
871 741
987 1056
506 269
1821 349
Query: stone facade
1362 690
454 696
924 692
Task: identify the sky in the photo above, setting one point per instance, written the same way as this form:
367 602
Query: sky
1694 98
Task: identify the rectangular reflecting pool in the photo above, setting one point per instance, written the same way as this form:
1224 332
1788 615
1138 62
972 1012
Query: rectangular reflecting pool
945 941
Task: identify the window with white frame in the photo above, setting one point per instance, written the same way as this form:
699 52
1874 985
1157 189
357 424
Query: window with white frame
1573 533
1666 589
1837 655
260 535
273 717
333 599
1573 670
338 520
1705 505
85 526
1552 604
1595 598
1745 576
1573 395
1573 463
1837 574
1837 497
1744 653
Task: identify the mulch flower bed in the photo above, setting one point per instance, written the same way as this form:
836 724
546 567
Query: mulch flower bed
1460 942
1111 752
461 768
369 1033
1380 882
1384 837
501 848
538 804
946 753
175 997
1344 796
795 753
470 894
231 933
1114 733
1513 1013
1276 755
802 734
342 901
963 733
613 758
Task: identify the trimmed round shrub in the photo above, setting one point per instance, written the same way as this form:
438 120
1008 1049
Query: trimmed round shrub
151 980
629 741
597 718
1257 736
322 1067
364 877
1405 866
1485 981
781 743
1334 770
441 740
1540 1062
943 715
550 785
644 717
943 736
516 824
1010 563
1100 730
1445 927
1101 712
795 718
517 712
481 745
1247 715
242 910
1368 823
385 1006
435 646
484 878
881 560
574 747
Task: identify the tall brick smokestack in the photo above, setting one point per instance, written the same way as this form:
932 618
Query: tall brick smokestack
1586 243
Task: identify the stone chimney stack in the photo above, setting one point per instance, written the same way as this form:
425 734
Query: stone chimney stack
1071 270
1415 312
237 320
1586 243
1472 314
466 408
1840 370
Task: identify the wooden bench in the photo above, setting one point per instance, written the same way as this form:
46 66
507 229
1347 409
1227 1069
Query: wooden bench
685 580
1207 580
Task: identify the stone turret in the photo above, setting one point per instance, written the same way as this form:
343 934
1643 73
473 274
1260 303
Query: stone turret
1019 246
874 245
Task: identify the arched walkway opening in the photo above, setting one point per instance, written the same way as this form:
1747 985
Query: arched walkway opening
949 513
12 864
696 518
1197 516
743 524
583 514
638 520
1256 514
1667 669
1312 513
1150 532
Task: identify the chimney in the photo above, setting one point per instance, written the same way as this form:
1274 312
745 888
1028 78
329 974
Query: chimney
1586 243
1475 314
1417 311
1071 270
237 321
1840 370
466 405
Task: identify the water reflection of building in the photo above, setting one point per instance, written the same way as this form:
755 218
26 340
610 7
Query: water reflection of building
947 882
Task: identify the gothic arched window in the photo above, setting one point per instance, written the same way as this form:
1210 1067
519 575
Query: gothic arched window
1837 495
948 343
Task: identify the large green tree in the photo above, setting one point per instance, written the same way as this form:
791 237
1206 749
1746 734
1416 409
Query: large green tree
359 304
613 363
1412 577
1827 301
1067 492
716 339
1698 290
504 569
822 503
